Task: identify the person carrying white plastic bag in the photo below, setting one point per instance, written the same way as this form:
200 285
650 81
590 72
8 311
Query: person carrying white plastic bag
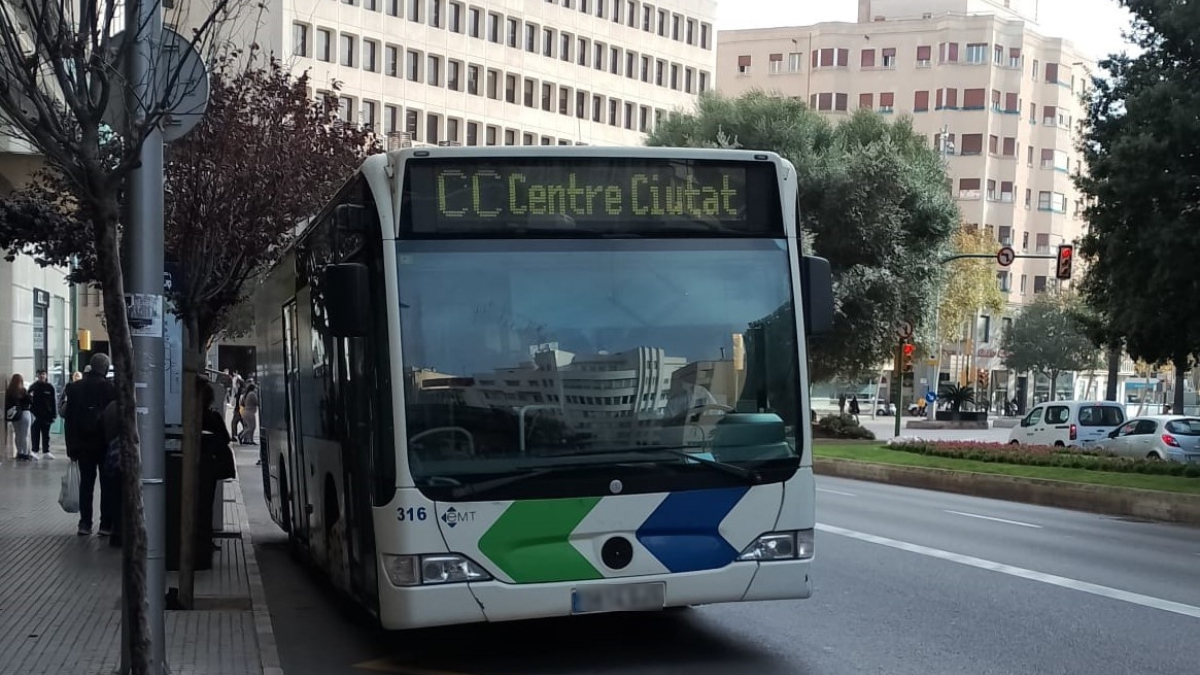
68 497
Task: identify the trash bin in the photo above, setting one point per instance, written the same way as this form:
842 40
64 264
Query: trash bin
203 548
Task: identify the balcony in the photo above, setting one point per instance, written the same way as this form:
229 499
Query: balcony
970 194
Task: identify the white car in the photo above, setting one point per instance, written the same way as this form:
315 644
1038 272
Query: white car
1068 423
1173 438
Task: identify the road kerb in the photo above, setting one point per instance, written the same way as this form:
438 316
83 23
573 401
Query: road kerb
268 653
1116 501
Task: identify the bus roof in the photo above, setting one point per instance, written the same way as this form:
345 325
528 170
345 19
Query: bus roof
585 151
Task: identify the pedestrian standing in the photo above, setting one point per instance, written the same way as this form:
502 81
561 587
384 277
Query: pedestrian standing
42 397
841 404
249 414
854 409
86 401
16 413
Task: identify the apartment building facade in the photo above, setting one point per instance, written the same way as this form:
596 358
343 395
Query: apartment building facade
999 100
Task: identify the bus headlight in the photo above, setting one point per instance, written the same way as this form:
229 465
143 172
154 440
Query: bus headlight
442 568
796 545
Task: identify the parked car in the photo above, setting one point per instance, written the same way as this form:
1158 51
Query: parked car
1068 423
1174 438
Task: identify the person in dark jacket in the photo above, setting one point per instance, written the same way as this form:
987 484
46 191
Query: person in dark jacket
86 442
110 471
43 406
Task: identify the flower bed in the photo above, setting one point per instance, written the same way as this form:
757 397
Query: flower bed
1033 455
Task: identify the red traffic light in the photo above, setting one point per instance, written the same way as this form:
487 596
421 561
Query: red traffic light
908 350
1066 258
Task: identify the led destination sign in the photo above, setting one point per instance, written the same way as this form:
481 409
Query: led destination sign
643 195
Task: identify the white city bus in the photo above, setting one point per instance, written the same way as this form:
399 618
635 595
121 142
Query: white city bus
509 383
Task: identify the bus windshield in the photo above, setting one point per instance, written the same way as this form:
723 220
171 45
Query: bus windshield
523 355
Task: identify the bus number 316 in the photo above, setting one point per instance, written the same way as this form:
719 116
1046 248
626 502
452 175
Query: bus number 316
412 514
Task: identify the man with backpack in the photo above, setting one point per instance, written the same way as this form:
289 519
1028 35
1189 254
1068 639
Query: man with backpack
87 444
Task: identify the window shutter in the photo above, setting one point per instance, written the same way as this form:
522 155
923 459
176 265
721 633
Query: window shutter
1052 72
776 57
923 53
1010 103
951 98
993 144
1014 53
953 52
868 58
1049 113
825 101
941 98
968 184
826 58
841 102
889 51
866 101
887 100
843 57
743 62
1010 146
921 101
972 144
973 98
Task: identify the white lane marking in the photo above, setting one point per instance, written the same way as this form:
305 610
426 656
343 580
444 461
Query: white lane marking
1020 572
846 494
993 519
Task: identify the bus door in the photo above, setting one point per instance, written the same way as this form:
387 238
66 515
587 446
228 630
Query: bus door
297 483
358 442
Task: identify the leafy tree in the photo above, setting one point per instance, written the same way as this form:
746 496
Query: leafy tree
1048 338
1141 143
957 396
970 285
873 196
56 80
265 156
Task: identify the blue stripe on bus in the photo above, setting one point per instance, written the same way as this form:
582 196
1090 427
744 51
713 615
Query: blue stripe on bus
683 532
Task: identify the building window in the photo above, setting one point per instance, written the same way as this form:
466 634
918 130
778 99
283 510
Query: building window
973 99
514 28
921 102
705 29
703 86
1028 203
548 42
371 55
1014 57
531 32
841 102
691 32
528 93
472 133
564 46
689 76
659 68
324 45
510 136
924 56
493 84
299 39
631 65
647 19
1006 196
1004 281
366 114
1010 146
972 144
998 55
675 76
866 101
431 128
598 56
1051 73
1054 202
993 145
510 88
1036 67
474 15
435 15
473 80
393 7
453 75
412 66
969 188
493 28
1039 284
613 110
414 10
581 54
345 108
391 61
597 108
644 119
391 117
491 134
456 18
433 74
662 23
614 60
889 57
948 52
547 95
347 50
887 102
564 101
977 53
629 116
581 104
412 124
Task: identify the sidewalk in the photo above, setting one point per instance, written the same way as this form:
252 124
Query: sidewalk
60 592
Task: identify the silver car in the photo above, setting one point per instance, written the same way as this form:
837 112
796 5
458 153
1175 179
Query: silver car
1174 438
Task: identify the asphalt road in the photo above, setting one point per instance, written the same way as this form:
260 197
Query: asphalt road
907 582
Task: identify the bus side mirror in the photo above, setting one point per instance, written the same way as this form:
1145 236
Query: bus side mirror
350 218
816 287
347 289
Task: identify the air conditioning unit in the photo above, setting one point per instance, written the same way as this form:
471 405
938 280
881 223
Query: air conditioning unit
397 140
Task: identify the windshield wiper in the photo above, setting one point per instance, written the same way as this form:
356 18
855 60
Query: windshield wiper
489 485
749 475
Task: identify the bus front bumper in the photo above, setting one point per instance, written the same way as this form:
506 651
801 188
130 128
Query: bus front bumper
426 606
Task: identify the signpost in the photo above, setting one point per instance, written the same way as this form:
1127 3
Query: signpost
1005 256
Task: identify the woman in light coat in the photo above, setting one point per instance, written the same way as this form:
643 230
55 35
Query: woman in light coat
16 412
249 414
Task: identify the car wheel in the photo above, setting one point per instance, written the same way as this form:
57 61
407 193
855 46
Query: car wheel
1154 457
1059 444
1014 442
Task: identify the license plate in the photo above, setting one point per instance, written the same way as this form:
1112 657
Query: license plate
619 598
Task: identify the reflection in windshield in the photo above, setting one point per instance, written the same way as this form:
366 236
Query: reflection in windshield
535 353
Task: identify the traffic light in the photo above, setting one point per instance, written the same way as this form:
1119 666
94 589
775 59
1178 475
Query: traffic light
1066 260
908 357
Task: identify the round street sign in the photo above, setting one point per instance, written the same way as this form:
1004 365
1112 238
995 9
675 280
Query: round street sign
181 85
904 330
1005 256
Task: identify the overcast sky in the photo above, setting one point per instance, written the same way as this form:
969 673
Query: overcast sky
1093 25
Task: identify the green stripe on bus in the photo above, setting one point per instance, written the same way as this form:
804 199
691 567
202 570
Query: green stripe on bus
531 543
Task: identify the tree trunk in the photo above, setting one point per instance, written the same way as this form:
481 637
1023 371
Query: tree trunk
1114 371
1054 385
133 515
194 349
1180 378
